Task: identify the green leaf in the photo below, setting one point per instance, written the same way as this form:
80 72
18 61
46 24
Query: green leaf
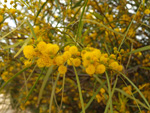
110 93
13 77
52 94
135 88
102 25
129 96
13 30
40 9
31 90
128 29
80 25
77 4
94 95
14 45
25 43
79 88
32 30
50 69
97 15
58 4
140 49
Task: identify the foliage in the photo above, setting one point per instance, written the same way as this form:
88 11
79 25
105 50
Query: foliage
76 56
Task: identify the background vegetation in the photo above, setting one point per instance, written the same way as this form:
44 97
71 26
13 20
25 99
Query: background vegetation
71 56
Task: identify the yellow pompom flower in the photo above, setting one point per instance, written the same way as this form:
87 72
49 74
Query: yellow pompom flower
29 51
70 61
44 61
120 68
76 62
41 46
1 18
147 11
12 11
62 69
103 59
96 53
59 60
66 55
90 69
102 90
53 49
40 62
86 63
73 50
27 63
113 56
114 65
100 69
67 48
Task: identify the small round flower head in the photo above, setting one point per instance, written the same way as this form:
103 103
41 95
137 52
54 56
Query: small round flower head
44 61
29 51
76 62
12 11
90 69
70 61
66 55
53 49
120 68
41 46
100 69
114 65
62 69
103 59
67 48
113 56
73 50
102 90
147 11
59 60
27 63
1 18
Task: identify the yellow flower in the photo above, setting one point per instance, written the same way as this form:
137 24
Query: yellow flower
114 65
59 60
120 68
27 63
12 11
100 69
44 60
128 89
52 49
102 90
103 59
70 61
113 56
90 69
1 18
66 55
86 63
41 46
73 50
147 11
62 69
29 51
98 98
67 48
76 62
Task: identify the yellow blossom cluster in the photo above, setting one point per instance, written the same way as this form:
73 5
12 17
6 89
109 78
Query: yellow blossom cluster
91 58
95 62
1 18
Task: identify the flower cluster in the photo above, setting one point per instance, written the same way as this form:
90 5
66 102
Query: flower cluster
93 61
1 18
